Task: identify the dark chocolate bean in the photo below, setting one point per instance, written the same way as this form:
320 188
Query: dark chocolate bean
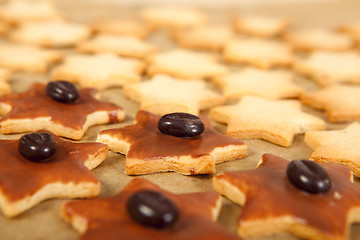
308 176
152 209
62 91
37 147
181 125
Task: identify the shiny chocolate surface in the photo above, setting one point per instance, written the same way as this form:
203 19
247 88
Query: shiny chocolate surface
107 218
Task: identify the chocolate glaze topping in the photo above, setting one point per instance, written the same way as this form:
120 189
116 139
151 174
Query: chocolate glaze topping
36 103
107 218
269 194
148 142
20 177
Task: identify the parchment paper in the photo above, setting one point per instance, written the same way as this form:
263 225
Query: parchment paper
43 221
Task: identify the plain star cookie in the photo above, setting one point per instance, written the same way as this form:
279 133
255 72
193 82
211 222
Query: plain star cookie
23 58
276 121
337 146
341 103
148 150
258 52
122 45
192 215
119 26
172 17
65 174
327 68
51 33
204 37
260 26
272 204
35 109
163 94
99 71
256 82
185 64
309 39
353 29
23 11
5 87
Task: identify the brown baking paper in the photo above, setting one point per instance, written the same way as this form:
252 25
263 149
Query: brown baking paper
44 222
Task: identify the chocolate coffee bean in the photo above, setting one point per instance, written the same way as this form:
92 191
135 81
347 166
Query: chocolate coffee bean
308 176
181 125
152 209
37 147
62 91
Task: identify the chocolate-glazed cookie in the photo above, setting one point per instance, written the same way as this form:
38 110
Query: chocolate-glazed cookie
108 218
272 204
149 150
35 109
25 183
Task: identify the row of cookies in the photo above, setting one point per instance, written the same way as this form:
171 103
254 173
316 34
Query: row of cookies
59 154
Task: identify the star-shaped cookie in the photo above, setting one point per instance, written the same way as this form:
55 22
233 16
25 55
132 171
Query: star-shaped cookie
341 103
122 45
99 71
260 26
271 204
185 64
23 11
276 121
121 26
24 183
34 110
108 218
309 39
263 83
338 146
212 37
353 29
163 94
51 33
24 58
261 53
327 68
172 17
148 150
5 87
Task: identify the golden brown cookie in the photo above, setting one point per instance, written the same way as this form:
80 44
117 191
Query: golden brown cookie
51 33
337 146
272 204
148 150
23 58
5 87
209 37
270 84
353 29
341 103
327 68
122 45
109 218
163 94
260 26
99 71
258 52
172 17
66 173
309 39
186 64
276 121
22 11
35 109
119 26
